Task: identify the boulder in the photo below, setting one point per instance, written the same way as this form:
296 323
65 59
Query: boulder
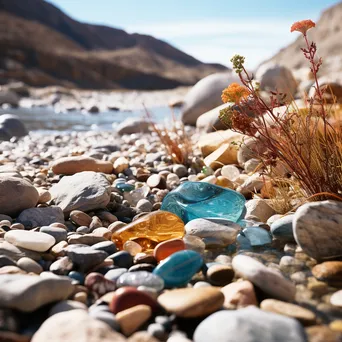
83 191
20 195
333 92
205 95
274 77
133 125
11 126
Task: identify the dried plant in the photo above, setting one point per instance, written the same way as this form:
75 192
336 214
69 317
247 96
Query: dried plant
174 139
306 141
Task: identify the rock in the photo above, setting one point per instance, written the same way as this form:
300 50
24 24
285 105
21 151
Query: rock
260 209
156 181
59 234
248 150
141 278
61 266
16 253
190 303
29 265
220 275
256 236
179 268
210 142
128 297
80 218
75 326
180 170
72 165
166 248
251 185
210 121
277 78
322 333
83 191
106 317
239 294
268 280
336 299
329 271
9 97
86 239
282 228
224 230
317 229
20 195
28 293
67 305
226 154
249 325
37 217
106 246
120 165
85 257
122 259
133 125
205 95
333 94
34 241
133 318
6 261
44 196
98 284
144 205
11 126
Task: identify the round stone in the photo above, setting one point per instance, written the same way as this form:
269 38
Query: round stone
305 316
141 278
166 248
29 265
115 274
122 259
34 241
330 271
190 302
132 247
127 297
220 275
336 299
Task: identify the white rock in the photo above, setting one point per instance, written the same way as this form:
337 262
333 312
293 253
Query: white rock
270 281
231 172
259 208
317 229
336 299
34 241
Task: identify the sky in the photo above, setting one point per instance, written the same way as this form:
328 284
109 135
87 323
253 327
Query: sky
209 30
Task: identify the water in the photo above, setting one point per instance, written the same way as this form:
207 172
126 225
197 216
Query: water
46 120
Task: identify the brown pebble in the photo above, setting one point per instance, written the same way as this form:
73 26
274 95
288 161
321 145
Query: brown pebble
166 248
17 226
322 333
192 302
330 271
80 218
220 275
132 319
239 294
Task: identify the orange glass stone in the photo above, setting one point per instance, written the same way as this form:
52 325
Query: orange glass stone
166 248
150 229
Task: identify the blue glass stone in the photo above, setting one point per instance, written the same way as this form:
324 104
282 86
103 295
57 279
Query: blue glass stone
282 228
257 236
124 187
193 200
178 269
77 276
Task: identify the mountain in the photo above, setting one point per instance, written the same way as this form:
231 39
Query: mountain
41 45
328 36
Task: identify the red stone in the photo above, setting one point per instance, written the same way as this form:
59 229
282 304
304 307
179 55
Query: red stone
166 248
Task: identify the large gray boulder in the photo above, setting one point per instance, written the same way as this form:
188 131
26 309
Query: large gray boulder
83 191
37 217
16 194
205 95
11 126
273 77
133 125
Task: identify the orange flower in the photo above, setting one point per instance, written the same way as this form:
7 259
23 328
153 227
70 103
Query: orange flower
303 26
234 93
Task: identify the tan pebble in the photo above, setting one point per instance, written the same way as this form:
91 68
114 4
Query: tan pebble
239 294
132 247
5 223
224 155
17 226
80 218
322 333
120 165
29 265
192 302
132 319
210 179
81 297
113 227
336 325
11 270
305 316
44 196
59 225
224 182
330 271
156 181
58 249
107 216
102 232
336 299
95 223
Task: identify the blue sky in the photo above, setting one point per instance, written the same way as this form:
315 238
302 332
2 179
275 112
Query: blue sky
210 30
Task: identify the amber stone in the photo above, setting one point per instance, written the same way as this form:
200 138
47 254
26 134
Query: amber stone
127 297
150 229
166 248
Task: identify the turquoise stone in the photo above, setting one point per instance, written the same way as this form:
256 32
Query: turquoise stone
257 236
124 187
193 200
282 228
178 269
